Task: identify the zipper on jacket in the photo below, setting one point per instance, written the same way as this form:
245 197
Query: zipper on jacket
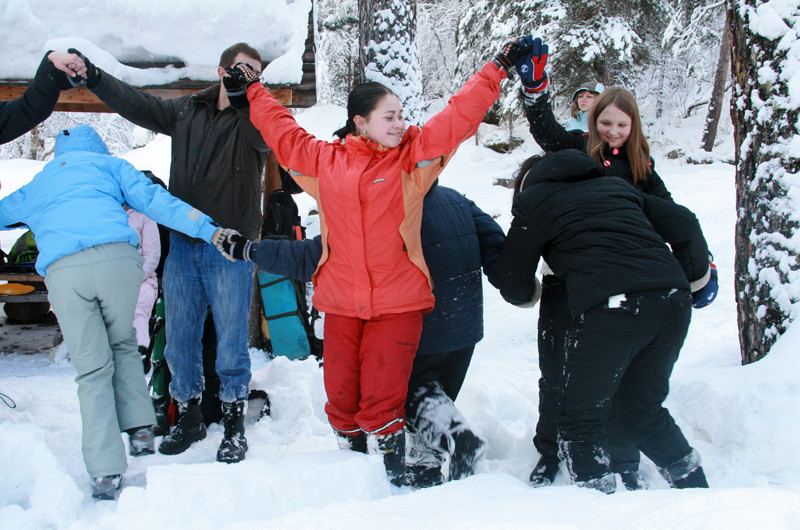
206 137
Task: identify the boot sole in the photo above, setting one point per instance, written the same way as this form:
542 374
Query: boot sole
181 448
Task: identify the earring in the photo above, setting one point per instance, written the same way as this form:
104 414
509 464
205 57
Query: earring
363 132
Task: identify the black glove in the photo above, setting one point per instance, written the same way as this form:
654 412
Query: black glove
511 53
64 82
92 72
242 75
237 246
530 65
236 94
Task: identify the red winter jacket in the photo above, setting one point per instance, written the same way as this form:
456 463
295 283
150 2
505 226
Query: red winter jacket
370 198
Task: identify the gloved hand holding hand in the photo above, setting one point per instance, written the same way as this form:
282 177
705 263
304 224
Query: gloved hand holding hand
92 73
237 95
71 69
530 66
511 52
232 244
706 294
242 76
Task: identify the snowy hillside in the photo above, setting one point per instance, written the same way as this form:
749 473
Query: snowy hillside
742 420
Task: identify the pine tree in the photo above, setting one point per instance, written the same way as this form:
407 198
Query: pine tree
765 111
387 44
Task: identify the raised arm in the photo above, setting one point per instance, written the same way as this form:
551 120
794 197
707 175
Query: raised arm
143 109
293 146
37 103
461 117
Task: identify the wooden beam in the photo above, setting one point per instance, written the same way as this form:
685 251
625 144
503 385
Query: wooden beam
81 99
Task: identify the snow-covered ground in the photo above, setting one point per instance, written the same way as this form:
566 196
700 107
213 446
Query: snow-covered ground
742 420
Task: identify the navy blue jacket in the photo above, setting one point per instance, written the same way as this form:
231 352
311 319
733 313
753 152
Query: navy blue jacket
458 239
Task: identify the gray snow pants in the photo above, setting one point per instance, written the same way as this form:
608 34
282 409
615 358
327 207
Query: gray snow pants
93 293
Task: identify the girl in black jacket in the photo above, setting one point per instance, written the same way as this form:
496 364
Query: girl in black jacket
630 300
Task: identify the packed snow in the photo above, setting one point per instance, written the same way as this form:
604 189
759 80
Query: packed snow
194 32
742 420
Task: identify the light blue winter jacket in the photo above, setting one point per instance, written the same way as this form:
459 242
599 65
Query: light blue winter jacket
580 122
75 202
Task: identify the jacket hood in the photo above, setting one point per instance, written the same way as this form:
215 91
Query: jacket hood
80 138
566 165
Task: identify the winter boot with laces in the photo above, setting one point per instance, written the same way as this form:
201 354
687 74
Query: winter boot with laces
234 445
106 488
142 441
545 472
189 429
393 448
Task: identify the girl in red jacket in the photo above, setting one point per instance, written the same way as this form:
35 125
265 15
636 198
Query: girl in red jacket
372 281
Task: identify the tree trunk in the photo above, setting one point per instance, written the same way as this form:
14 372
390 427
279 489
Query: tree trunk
388 50
765 122
718 92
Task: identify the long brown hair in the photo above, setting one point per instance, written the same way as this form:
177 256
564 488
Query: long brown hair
636 145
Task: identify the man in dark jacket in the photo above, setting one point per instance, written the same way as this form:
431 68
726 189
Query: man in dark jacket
217 161
20 115
630 296
458 239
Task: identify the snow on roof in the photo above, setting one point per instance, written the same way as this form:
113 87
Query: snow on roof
194 32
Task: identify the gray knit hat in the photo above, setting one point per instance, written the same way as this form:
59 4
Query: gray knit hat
589 86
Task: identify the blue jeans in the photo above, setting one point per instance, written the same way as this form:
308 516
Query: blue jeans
196 276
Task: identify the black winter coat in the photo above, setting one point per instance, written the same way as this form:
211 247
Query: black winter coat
34 106
552 136
600 234
217 155
458 239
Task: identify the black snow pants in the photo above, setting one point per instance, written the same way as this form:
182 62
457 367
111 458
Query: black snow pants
626 351
554 322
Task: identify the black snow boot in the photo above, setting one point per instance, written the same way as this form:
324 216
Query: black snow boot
393 448
189 429
234 445
545 472
424 462
633 481
695 479
161 406
686 472
357 442
467 450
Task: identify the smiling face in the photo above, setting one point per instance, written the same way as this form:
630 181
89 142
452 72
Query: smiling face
585 100
614 126
385 124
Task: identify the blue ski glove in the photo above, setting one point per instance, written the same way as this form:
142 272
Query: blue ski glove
706 294
530 67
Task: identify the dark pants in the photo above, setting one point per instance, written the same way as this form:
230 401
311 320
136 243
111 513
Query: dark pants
449 369
628 352
554 322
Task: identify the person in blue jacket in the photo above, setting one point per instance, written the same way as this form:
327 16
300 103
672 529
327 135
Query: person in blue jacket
458 239
92 269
